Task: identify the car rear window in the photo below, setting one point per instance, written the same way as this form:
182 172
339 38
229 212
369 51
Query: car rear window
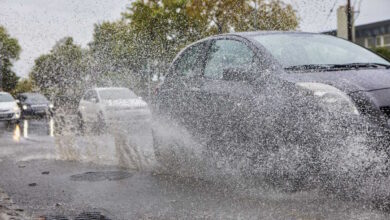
116 94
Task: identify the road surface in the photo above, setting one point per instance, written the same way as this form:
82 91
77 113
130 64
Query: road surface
75 177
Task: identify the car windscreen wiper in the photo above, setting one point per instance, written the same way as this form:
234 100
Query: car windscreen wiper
360 65
309 67
336 66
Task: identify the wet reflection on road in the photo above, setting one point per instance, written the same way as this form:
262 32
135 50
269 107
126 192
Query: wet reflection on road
16 136
51 127
27 128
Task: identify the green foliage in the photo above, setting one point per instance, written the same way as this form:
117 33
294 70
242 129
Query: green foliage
110 56
9 52
244 15
60 74
383 51
24 85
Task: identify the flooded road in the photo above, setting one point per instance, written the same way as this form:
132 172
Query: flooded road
114 175
35 128
70 188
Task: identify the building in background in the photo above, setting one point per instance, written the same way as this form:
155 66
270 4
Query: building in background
372 35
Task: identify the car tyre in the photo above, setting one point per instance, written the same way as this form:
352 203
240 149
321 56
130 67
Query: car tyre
101 125
12 123
156 148
81 123
165 158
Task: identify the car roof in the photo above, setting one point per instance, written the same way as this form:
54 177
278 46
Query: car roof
257 33
108 88
31 93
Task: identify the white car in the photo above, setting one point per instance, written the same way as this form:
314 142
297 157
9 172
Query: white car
104 106
9 110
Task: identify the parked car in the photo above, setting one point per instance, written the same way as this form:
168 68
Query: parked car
100 106
34 104
9 110
245 99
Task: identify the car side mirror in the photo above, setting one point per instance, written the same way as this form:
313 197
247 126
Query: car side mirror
94 100
236 74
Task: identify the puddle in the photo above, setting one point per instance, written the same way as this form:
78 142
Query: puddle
101 176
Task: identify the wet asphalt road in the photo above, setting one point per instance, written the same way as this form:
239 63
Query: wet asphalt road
44 178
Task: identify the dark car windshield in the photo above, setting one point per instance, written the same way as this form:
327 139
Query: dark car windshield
293 50
36 98
5 97
116 94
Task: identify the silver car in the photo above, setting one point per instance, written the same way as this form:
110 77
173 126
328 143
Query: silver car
9 110
102 106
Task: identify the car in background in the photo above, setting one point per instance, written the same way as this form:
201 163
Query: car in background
258 96
9 110
34 105
102 106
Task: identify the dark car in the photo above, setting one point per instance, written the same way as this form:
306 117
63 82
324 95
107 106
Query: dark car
34 105
271 104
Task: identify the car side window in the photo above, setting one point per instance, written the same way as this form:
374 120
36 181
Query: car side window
88 95
227 54
190 62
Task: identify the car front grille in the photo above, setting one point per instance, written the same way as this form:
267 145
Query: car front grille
386 110
39 107
5 116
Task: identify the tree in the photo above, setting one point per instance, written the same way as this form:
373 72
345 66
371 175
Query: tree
60 74
383 52
9 52
24 85
110 55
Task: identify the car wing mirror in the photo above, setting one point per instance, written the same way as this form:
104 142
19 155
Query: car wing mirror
236 74
94 100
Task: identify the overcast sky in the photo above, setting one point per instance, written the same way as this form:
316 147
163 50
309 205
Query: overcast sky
38 24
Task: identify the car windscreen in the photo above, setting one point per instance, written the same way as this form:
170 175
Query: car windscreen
315 49
5 97
116 94
36 98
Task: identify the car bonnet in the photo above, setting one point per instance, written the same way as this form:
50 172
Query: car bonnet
346 80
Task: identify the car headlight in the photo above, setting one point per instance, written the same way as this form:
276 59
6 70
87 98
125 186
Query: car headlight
16 109
24 107
51 105
334 98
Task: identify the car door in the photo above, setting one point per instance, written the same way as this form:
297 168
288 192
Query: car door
180 90
94 107
87 106
228 97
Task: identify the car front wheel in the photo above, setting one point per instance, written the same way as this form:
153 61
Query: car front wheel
166 157
101 125
81 123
